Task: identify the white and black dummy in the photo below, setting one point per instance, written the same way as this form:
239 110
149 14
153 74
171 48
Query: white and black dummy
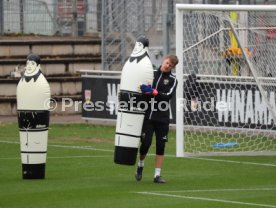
33 97
137 70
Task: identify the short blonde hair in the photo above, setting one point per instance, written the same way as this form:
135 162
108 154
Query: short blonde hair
173 59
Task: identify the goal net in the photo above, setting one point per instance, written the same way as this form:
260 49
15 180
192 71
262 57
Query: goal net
226 93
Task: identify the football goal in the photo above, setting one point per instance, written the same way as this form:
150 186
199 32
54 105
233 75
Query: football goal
225 100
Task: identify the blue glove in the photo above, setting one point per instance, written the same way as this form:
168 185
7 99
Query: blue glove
146 89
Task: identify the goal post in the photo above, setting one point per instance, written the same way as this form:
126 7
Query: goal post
225 99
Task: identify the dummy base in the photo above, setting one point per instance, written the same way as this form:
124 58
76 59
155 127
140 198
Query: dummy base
125 155
33 171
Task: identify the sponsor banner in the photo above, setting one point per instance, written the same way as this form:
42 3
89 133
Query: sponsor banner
230 105
100 98
217 104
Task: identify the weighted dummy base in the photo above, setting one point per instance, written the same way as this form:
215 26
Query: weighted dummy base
33 171
125 155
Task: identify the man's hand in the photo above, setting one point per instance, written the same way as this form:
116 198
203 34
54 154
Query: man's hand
147 89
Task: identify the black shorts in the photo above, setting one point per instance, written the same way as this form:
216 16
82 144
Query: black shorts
161 133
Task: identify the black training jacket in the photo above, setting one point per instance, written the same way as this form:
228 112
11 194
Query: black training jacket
158 109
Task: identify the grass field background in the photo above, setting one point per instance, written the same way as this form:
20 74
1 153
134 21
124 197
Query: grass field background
80 172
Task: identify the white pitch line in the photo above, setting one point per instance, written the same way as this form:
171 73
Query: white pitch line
80 147
227 161
64 146
220 190
9 142
206 199
80 156
195 158
60 157
232 161
9 158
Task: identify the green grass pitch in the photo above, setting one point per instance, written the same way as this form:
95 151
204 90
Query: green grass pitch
80 173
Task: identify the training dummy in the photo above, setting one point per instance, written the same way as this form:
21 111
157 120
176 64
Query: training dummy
33 97
137 70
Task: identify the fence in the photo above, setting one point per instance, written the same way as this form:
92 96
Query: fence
48 17
118 22
27 17
124 20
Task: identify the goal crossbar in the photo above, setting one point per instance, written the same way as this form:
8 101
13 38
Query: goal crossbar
224 7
